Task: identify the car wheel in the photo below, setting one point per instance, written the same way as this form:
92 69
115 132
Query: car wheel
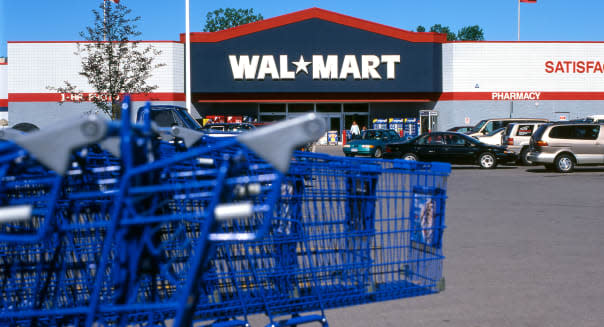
564 164
487 160
378 153
524 157
409 156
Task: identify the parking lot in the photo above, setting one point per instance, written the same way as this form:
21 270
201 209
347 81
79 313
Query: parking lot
524 247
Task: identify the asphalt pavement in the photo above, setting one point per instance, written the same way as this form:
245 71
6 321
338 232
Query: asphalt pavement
523 246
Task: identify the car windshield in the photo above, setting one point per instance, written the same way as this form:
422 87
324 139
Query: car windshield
189 121
496 131
479 126
508 129
372 135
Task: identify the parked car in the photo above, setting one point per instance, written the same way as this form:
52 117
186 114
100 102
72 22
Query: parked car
370 143
517 138
168 116
460 129
452 147
562 146
493 138
229 127
487 126
595 118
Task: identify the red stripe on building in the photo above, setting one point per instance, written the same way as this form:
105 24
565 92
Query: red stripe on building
3 103
520 96
322 14
57 97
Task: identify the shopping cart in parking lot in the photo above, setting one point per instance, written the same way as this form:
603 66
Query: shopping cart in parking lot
347 232
124 244
168 224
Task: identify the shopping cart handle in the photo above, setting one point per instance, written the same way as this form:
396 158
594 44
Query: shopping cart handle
189 136
15 213
53 146
9 134
276 143
112 145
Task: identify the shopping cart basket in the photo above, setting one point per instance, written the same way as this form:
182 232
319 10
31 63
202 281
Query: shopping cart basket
347 232
156 251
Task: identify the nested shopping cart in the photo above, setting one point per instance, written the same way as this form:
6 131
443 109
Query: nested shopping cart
139 225
346 232
123 241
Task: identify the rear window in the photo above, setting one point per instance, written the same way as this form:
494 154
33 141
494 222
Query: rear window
539 132
575 132
163 118
525 130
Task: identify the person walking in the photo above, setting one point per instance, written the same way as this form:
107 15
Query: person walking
354 129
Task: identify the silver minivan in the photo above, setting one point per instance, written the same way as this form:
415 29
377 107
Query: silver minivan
562 146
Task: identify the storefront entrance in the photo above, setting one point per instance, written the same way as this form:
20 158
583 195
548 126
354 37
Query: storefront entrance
338 116
428 120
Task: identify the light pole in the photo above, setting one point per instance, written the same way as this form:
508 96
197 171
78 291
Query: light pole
187 59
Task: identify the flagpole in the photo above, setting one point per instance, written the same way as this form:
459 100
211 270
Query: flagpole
187 59
518 19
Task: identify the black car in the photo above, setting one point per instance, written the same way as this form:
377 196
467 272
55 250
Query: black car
460 129
456 148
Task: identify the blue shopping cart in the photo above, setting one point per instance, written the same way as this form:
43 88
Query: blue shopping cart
137 225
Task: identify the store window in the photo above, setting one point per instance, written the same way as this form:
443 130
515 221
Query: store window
301 107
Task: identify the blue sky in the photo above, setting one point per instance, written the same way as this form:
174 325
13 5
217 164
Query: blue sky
547 20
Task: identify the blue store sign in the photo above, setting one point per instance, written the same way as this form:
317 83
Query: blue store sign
316 55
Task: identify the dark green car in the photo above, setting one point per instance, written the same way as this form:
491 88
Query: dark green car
371 142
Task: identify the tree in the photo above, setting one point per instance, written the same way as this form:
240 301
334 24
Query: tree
222 19
470 33
420 28
111 61
445 30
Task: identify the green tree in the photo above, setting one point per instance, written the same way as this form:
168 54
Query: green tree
444 30
420 28
112 61
470 33
222 19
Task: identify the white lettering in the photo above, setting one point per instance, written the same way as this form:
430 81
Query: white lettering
515 95
268 66
390 60
325 69
244 68
283 68
369 65
350 66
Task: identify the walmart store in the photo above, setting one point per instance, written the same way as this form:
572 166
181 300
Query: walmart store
342 67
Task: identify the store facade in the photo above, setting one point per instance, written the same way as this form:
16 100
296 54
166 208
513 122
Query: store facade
342 67
319 61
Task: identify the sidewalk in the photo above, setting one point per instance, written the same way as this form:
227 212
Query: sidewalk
334 150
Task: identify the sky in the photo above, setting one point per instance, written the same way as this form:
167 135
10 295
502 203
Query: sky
546 20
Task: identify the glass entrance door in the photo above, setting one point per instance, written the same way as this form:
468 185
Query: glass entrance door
428 121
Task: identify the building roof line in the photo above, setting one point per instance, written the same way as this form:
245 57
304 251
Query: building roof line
315 13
